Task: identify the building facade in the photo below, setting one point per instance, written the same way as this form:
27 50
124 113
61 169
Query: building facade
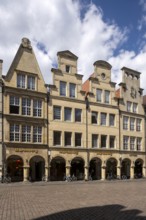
25 117
88 130
1 121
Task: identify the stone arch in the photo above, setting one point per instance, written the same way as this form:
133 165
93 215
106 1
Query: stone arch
125 167
57 170
77 167
37 168
15 168
111 166
138 168
95 168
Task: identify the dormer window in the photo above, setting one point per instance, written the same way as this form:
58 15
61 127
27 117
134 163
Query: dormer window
20 81
31 82
67 69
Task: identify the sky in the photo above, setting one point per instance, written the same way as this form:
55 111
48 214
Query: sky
110 30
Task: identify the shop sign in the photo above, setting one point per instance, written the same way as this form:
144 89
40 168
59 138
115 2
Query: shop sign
104 153
133 155
68 152
21 150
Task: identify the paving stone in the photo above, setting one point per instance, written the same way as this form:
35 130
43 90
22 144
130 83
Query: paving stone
107 200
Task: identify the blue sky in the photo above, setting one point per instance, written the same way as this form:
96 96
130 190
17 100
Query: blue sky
112 30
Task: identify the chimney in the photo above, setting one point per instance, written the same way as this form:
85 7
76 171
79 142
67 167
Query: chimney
1 64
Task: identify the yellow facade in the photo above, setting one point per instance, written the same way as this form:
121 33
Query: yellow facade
71 128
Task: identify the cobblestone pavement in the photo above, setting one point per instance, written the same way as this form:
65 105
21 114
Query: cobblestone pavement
108 200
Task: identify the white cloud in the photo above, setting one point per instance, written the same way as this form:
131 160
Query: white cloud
61 25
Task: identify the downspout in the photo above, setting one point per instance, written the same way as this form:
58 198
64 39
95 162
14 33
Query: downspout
87 107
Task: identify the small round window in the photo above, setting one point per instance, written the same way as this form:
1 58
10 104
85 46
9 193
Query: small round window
103 76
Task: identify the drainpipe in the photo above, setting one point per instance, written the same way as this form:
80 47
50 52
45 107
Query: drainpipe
2 151
87 107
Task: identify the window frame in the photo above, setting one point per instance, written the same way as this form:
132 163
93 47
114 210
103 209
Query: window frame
63 86
78 117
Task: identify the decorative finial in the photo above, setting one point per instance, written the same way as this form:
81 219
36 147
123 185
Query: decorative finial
26 43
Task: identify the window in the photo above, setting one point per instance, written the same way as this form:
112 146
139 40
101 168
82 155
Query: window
57 138
20 81
63 88
129 106
14 105
26 133
107 96
111 120
14 132
72 90
31 82
103 141
94 119
132 143
138 143
103 119
26 106
112 141
68 138
57 112
134 107
67 114
37 108
37 134
67 68
98 95
78 139
125 142
138 124
125 122
78 114
94 140
132 122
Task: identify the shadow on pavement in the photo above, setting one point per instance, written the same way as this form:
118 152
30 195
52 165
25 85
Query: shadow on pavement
108 212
